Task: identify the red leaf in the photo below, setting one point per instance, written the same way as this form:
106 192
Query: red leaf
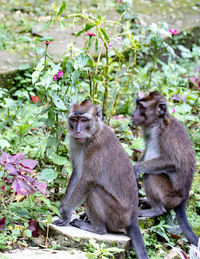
11 169
41 187
23 187
35 228
2 223
28 163
15 158
32 225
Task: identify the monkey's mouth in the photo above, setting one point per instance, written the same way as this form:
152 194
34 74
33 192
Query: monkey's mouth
80 140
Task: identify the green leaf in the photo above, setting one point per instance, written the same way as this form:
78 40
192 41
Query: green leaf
115 249
96 45
48 174
35 76
53 208
138 144
47 25
90 256
49 219
4 143
105 35
16 232
75 77
81 61
61 9
28 233
60 160
58 101
87 28
62 24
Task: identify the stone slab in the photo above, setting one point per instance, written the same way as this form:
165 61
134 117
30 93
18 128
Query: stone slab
36 253
11 62
77 233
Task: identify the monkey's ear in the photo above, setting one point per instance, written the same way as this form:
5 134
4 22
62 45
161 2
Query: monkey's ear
161 108
99 112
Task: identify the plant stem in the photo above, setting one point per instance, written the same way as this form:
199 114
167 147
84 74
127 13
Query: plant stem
105 98
125 86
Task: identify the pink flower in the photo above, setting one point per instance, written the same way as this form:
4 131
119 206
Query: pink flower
47 42
101 25
90 34
119 1
110 45
3 187
58 75
55 78
119 39
196 81
173 109
35 99
173 32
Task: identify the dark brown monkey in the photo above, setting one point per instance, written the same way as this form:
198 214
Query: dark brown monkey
168 162
102 177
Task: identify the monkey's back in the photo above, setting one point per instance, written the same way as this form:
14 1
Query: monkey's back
177 147
114 172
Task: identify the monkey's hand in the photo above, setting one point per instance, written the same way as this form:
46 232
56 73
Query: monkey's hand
65 217
137 170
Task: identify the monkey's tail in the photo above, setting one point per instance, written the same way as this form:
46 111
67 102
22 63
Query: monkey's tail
184 224
136 239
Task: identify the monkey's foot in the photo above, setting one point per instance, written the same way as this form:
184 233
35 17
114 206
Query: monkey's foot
150 213
84 217
61 222
78 223
144 203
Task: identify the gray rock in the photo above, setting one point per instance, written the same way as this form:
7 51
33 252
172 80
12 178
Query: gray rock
73 233
9 64
36 253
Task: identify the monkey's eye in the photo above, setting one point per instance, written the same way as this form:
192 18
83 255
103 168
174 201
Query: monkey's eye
84 119
73 119
141 107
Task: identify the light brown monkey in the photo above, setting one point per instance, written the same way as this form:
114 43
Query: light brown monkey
102 176
168 162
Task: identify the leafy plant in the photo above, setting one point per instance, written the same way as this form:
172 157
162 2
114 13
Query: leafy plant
194 252
100 251
16 166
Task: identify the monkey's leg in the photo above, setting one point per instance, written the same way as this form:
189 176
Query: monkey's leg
95 212
72 198
183 223
153 212
98 227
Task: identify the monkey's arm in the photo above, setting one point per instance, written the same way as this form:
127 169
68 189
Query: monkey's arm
154 166
73 196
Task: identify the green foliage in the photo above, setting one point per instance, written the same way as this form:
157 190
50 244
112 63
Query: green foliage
112 69
101 251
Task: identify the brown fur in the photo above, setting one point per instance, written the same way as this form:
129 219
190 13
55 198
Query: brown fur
168 162
102 177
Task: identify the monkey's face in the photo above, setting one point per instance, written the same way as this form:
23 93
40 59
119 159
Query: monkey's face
149 110
139 115
81 128
84 120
